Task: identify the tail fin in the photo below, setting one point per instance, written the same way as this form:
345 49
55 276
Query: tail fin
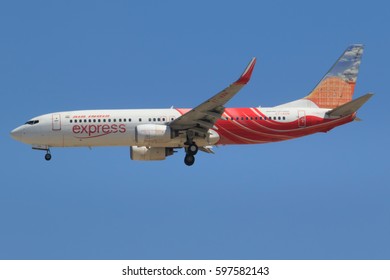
337 86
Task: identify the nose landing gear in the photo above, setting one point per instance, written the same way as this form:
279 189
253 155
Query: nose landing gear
48 155
43 148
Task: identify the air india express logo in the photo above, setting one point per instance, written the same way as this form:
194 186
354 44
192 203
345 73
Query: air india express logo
92 130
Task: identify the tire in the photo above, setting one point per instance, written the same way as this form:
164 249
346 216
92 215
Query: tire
189 159
48 157
192 149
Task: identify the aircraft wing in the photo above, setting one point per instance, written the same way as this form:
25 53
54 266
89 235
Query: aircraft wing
203 117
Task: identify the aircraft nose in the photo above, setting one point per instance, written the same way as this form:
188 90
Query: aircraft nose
17 133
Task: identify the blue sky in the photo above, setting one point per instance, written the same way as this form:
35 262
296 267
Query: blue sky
325 196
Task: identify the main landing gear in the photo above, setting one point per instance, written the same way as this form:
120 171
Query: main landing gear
191 151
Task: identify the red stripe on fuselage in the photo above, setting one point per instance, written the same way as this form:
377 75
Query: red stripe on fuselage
249 130
244 126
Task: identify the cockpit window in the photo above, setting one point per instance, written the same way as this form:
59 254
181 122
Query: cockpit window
32 122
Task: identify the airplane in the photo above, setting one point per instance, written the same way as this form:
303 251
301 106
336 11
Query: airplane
154 134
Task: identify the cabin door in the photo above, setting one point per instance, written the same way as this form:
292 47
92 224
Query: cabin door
56 122
301 118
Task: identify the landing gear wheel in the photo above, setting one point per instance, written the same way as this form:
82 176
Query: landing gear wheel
48 156
189 159
192 149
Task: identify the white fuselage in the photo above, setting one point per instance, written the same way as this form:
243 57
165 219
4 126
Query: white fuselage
122 127
98 128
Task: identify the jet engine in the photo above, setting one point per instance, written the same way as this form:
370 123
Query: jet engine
152 153
146 134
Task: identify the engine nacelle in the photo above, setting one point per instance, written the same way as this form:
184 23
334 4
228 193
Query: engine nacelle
146 134
152 153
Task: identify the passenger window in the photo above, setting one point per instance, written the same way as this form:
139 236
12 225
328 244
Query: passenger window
98 120
140 119
85 120
70 121
154 119
159 119
109 120
279 118
284 118
114 120
129 120
89 120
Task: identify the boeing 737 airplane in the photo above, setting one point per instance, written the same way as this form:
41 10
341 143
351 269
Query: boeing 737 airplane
154 134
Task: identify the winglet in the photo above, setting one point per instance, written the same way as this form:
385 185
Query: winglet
246 76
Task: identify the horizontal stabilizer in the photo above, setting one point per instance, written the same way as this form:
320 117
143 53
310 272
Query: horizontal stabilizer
349 107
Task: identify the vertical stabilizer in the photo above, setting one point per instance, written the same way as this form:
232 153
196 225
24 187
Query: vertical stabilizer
337 86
